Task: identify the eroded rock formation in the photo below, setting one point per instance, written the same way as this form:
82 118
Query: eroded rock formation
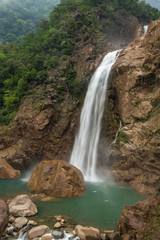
7 172
141 221
57 178
137 85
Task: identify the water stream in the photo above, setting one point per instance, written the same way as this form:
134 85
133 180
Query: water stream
145 28
84 154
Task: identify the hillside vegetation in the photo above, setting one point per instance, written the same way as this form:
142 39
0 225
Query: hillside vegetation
27 64
19 17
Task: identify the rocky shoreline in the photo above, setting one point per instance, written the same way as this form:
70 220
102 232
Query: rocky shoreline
16 223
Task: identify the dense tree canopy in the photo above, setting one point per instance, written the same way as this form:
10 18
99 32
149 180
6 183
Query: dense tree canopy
53 42
19 17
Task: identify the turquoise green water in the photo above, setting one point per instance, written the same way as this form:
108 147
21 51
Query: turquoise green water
100 206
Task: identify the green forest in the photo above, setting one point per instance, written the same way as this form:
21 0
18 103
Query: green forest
19 17
30 61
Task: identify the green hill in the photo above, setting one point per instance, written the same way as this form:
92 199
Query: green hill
19 17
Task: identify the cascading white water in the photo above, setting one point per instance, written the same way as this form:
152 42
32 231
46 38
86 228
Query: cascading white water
84 154
145 28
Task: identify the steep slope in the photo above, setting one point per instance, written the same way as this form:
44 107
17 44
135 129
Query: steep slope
137 87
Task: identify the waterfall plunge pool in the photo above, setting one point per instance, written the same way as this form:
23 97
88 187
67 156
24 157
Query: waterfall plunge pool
100 206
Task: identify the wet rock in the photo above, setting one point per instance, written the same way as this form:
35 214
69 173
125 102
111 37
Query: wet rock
87 233
11 219
22 206
57 234
10 231
38 231
56 178
4 216
20 222
58 225
47 237
62 221
59 219
7 172
31 222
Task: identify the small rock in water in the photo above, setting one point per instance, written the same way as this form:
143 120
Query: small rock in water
20 222
62 221
57 234
59 219
11 219
10 231
87 232
31 222
58 225
47 237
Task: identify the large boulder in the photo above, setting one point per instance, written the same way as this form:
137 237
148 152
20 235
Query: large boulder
4 216
87 233
56 178
7 172
22 206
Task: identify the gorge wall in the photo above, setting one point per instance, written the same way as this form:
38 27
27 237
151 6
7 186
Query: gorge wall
136 91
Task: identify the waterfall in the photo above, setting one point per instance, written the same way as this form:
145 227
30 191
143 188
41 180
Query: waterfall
84 154
145 28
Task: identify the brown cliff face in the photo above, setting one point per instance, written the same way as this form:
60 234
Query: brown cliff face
137 85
